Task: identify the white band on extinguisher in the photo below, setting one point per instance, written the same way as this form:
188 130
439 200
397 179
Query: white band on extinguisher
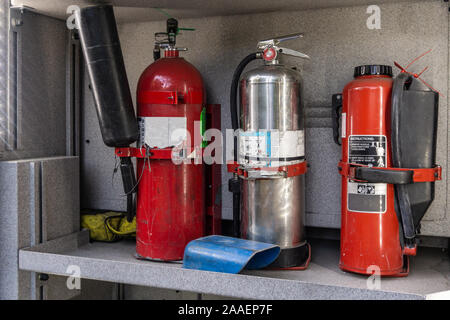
344 125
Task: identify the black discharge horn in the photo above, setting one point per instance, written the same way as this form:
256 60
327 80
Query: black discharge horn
103 55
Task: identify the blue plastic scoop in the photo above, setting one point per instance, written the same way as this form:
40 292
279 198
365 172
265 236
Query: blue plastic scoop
227 254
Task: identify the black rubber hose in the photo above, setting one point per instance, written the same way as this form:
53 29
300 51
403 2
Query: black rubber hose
234 186
129 184
130 208
234 88
234 182
236 213
156 53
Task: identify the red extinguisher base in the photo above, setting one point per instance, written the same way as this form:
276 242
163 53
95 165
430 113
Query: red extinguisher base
398 272
139 257
147 252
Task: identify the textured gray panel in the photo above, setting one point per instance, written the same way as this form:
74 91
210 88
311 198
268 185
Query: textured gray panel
337 39
16 205
73 94
323 192
55 288
41 70
3 73
100 187
96 290
23 205
146 293
60 196
437 222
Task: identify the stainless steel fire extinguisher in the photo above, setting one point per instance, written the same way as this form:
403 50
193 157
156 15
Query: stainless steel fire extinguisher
269 167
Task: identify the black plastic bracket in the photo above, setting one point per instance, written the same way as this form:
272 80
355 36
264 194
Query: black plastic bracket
336 108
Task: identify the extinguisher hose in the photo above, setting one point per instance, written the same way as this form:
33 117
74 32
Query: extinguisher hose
156 53
233 183
234 87
129 185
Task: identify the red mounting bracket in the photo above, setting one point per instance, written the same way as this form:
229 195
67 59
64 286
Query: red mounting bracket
289 170
144 153
419 174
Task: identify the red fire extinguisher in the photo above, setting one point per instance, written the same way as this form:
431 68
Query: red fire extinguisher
170 208
171 205
388 135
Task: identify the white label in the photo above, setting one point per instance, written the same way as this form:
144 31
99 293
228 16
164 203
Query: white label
367 188
271 148
344 125
162 132
287 144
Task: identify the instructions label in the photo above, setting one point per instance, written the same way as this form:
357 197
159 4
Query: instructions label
368 150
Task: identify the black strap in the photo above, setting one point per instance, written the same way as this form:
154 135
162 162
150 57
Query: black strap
384 176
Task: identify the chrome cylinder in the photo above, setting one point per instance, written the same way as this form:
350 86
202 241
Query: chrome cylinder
273 208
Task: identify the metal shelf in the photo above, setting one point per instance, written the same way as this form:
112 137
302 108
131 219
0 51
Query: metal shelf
115 262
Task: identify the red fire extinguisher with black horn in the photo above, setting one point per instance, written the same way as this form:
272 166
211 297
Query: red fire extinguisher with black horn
388 132
172 184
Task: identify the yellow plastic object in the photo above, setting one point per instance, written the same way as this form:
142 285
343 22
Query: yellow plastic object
108 226
124 228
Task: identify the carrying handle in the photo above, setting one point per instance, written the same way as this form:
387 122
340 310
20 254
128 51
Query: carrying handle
293 53
336 107
270 48
276 41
